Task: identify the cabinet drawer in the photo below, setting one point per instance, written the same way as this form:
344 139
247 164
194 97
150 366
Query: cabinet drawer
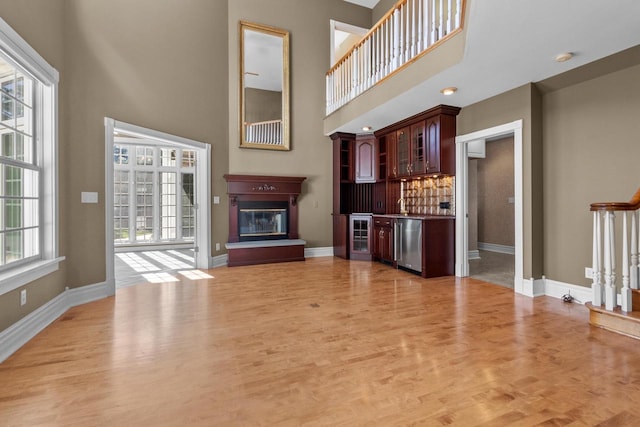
381 221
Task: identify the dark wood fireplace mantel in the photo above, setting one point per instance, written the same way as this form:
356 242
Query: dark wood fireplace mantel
258 188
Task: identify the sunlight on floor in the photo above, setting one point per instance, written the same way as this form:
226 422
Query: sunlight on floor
156 266
137 263
196 275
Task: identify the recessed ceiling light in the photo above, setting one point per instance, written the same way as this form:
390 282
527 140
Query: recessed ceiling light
366 128
562 57
449 90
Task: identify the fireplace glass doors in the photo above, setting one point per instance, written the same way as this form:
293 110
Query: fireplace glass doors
262 222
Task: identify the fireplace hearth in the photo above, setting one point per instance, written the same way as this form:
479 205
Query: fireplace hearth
263 219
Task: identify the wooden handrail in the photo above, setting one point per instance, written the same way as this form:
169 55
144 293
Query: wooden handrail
398 4
631 205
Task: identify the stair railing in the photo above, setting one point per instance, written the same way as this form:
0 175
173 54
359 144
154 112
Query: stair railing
268 132
401 35
604 285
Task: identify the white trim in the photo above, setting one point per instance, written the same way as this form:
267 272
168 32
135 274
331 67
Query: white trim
16 277
19 50
474 254
493 247
21 332
553 288
318 252
202 241
218 261
530 287
462 220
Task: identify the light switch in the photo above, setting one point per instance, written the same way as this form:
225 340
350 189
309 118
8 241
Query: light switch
89 197
511 200
216 200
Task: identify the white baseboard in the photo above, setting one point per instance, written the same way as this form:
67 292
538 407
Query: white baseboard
474 254
553 288
492 247
18 334
218 261
318 252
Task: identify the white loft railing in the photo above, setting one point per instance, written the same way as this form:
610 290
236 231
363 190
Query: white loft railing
404 33
604 284
267 133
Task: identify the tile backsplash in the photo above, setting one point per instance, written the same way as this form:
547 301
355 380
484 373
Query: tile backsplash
424 196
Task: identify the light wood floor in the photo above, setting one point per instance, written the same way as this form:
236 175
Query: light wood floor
322 342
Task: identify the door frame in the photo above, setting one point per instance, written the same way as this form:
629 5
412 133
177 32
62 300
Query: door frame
462 197
202 241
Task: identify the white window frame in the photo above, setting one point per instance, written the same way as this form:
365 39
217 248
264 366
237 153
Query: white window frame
156 168
46 138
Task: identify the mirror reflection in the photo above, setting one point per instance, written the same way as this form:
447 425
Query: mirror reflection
264 86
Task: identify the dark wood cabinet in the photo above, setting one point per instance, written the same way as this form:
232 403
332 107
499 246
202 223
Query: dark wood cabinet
341 235
438 247
424 144
383 239
432 145
403 152
366 160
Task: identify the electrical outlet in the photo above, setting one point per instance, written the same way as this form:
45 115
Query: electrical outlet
217 246
588 272
23 297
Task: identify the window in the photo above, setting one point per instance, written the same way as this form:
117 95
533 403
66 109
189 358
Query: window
28 176
157 205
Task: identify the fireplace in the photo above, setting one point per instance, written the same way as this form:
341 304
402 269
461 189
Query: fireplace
263 219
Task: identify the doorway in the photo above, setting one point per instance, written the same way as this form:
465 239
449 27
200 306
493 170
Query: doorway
157 204
491 211
465 144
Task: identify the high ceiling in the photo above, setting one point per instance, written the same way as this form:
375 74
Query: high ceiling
511 43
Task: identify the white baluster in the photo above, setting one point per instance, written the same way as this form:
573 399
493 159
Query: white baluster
625 292
634 250
449 17
434 34
458 12
609 261
419 42
441 28
425 24
596 286
395 42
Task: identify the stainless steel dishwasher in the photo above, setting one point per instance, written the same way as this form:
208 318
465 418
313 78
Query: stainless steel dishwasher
408 243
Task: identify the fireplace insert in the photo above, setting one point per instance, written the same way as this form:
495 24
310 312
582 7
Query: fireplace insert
266 220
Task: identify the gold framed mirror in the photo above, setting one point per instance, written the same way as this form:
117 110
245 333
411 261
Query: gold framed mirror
264 87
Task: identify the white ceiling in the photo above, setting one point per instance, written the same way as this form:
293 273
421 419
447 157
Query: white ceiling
366 3
513 42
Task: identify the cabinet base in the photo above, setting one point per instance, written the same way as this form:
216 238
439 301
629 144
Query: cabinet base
266 252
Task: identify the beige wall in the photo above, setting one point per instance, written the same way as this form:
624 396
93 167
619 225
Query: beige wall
522 103
381 9
311 151
591 154
494 188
